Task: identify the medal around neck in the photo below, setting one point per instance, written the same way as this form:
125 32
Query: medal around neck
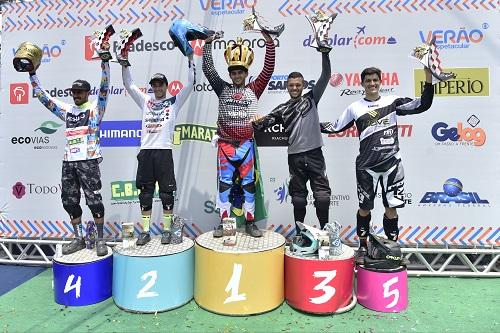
428 55
256 23
320 24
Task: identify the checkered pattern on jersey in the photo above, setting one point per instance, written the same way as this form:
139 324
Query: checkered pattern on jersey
237 106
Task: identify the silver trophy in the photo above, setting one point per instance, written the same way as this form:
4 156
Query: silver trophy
176 228
333 230
229 231
428 55
128 240
101 42
256 23
127 38
320 23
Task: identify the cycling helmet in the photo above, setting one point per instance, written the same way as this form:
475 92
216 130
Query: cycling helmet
383 253
307 242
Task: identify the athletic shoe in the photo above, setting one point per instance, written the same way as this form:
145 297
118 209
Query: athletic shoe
143 239
252 230
76 245
101 248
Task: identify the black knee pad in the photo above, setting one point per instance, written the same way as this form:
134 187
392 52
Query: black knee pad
250 187
146 200
167 200
391 228
74 211
97 210
223 187
363 225
322 203
299 202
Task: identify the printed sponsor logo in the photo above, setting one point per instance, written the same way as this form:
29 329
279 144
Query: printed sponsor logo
193 132
49 51
459 135
226 7
453 196
352 132
469 82
39 142
348 82
360 39
19 93
273 136
461 38
19 190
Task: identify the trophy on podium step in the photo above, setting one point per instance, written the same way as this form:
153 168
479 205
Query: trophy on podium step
101 42
128 240
427 54
256 23
127 39
27 58
229 231
320 23
176 228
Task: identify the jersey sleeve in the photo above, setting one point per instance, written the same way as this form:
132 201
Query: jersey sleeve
345 121
137 95
102 99
259 85
57 107
326 71
182 96
209 70
406 106
272 118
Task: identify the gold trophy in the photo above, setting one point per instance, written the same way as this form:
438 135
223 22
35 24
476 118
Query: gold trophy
27 58
256 23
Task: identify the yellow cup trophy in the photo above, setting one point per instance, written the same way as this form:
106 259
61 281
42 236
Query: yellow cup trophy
27 58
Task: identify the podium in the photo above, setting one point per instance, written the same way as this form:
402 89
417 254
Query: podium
383 291
154 277
320 286
82 278
239 280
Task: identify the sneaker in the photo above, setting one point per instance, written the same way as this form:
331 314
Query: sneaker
143 239
360 255
252 230
101 248
219 231
76 244
166 237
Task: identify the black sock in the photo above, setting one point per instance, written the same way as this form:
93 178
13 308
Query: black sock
363 225
100 230
299 213
391 228
322 215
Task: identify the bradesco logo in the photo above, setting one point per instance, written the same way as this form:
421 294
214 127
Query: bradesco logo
226 7
453 195
469 82
19 93
19 190
461 38
39 142
358 40
352 132
49 51
448 135
347 82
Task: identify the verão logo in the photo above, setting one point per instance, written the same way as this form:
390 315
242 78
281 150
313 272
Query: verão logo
19 93
90 50
175 87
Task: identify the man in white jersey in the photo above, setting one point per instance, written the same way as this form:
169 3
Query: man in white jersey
155 158
379 159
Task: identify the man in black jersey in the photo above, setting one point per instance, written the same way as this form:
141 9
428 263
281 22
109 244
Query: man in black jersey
299 115
379 159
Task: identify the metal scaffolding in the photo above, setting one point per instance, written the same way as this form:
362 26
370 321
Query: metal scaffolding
463 262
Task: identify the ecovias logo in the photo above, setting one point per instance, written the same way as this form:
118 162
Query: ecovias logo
38 142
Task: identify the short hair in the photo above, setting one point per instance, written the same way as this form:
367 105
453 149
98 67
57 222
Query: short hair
295 75
370 71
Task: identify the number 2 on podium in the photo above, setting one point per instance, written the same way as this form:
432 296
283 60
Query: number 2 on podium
144 292
234 284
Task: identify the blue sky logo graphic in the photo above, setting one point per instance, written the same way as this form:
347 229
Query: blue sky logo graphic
281 193
125 133
453 194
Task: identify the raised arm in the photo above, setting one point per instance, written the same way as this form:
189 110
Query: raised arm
259 85
345 121
137 95
55 106
209 69
407 106
326 71
182 96
102 99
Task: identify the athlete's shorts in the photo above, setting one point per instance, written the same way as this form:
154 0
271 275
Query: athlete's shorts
84 174
390 174
155 165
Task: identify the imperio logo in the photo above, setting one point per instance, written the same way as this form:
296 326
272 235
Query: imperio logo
469 82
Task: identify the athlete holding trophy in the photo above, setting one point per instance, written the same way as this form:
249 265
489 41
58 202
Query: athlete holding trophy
80 167
158 124
237 106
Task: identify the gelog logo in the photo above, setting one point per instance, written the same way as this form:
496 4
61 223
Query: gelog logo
226 7
19 93
346 82
359 40
460 135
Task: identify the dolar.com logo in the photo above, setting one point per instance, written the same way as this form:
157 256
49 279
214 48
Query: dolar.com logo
358 40
453 195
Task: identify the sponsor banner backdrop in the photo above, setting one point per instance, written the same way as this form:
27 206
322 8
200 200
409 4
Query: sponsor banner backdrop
451 162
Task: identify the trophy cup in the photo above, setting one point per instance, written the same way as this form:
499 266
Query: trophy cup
127 39
320 23
182 31
176 228
101 42
229 231
90 235
128 240
428 55
333 230
256 23
27 58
